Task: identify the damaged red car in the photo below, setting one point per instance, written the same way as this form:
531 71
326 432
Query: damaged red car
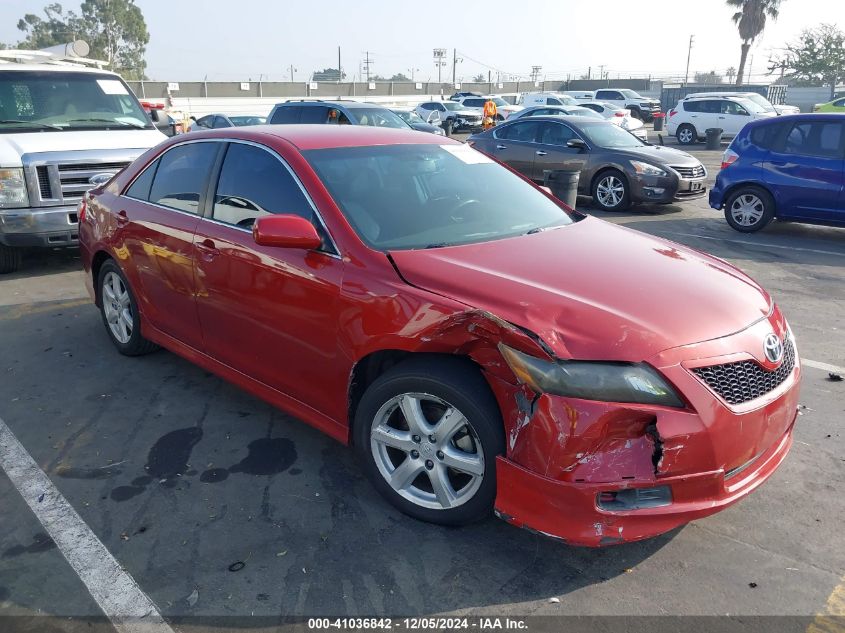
481 346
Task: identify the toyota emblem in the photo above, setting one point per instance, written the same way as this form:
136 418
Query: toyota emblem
773 348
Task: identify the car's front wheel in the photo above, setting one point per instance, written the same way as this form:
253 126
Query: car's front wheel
120 312
610 191
686 134
428 432
749 209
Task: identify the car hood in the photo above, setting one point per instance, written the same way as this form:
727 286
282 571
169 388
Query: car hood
659 154
593 290
13 146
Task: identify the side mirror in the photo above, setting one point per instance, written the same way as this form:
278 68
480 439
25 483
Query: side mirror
162 122
576 143
285 231
434 118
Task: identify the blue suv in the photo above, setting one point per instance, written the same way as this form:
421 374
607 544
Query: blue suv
789 167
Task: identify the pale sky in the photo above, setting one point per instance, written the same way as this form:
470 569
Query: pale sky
234 40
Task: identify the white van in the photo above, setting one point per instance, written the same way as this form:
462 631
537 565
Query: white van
531 99
64 128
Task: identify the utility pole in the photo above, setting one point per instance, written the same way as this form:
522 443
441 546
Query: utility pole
689 55
589 72
292 70
601 70
535 73
367 63
339 68
440 62
454 63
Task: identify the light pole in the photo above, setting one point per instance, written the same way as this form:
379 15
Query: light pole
689 55
440 62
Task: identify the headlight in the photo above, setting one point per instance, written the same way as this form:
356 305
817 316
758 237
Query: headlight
13 188
644 169
590 380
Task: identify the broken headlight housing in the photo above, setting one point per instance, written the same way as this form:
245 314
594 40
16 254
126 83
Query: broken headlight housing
592 380
13 189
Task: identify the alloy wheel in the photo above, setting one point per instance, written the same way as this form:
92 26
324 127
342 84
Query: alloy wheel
685 136
747 210
610 191
117 307
427 451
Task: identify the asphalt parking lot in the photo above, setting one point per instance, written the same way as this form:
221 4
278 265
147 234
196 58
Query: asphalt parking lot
218 505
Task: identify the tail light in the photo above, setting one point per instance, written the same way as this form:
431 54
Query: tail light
729 158
618 114
80 210
672 113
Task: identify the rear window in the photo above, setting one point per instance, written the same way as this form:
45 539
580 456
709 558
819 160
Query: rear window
766 136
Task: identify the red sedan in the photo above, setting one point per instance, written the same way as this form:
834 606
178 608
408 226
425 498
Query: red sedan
480 345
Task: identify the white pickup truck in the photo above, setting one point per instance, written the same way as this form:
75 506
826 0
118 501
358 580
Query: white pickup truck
64 128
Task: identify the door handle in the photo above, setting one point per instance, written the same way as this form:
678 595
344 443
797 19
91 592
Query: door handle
207 248
540 152
501 146
122 218
721 117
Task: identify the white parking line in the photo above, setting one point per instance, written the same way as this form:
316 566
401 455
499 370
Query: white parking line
823 366
120 598
747 243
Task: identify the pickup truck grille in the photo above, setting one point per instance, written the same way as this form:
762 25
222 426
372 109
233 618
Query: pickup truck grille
746 380
691 172
68 182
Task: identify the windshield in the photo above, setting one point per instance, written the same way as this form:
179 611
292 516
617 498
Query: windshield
454 107
400 197
610 136
630 94
53 100
585 112
758 103
378 117
499 101
408 116
240 121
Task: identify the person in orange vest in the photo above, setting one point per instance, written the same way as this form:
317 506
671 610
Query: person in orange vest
490 112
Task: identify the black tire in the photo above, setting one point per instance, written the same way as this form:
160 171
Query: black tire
10 259
457 382
137 345
598 181
635 113
756 200
686 134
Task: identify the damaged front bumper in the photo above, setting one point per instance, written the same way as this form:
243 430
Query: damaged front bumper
571 464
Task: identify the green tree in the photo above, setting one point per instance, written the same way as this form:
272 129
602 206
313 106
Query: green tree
708 78
400 77
750 20
479 78
816 57
114 29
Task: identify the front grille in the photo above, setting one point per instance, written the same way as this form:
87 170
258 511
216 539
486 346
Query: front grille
44 186
75 177
691 172
746 380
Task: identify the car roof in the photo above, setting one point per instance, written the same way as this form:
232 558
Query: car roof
66 68
786 118
313 136
714 96
339 103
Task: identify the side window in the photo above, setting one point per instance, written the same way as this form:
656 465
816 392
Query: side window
815 139
553 101
593 106
181 177
314 114
440 107
140 189
732 107
220 121
205 121
711 106
556 134
765 136
839 103
692 106
474 103
252 183
427 106
286 114
525 131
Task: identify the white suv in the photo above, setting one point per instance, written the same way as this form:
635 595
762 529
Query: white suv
691 118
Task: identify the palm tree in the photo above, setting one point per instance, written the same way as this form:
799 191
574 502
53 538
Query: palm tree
750 20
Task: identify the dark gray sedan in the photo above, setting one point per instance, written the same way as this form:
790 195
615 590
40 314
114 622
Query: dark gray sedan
617 168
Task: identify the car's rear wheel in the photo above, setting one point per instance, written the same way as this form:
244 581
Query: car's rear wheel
610 191
120 312
686 134
428 432
749 209
10 259
635 113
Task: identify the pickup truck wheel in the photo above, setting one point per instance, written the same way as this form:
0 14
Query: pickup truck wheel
10 259
749 209
428 432
119 310
636 114
686 134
